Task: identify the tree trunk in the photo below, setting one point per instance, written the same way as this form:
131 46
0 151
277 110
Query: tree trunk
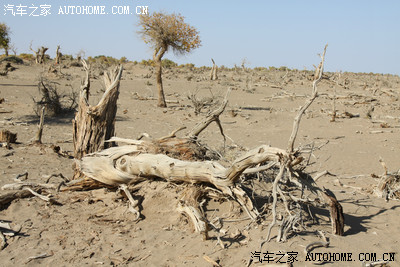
161 97
42 52
213 74
58 55
6 51
39 54
38 137
158 54
93 125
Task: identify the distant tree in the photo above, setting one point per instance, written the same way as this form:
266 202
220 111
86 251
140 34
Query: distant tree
13 48
4 37
164 31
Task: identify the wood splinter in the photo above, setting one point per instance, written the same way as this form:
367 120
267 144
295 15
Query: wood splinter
133 203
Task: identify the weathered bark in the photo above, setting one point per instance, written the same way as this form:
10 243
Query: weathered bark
95 124
336 212
157 56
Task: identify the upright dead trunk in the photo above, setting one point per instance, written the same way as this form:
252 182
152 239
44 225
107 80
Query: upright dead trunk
95 124
39 54
42 54
58 55
213 74
158 54
38 137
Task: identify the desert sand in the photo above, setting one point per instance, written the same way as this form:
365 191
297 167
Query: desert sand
94 228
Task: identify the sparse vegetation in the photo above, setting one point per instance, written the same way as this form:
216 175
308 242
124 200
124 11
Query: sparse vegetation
107 61
5 37
56 102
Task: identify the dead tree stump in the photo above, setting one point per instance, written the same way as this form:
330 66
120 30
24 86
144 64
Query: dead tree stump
39 54
58 55
7 137
95 124
213 74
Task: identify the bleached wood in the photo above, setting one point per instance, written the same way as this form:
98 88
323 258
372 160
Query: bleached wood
127 164
118 165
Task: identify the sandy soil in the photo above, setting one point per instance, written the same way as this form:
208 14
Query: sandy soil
94 227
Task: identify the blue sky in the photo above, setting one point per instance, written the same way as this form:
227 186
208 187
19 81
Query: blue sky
363 36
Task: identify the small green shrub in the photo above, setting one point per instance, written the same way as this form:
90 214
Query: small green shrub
28 57
123 60
147 62
67 57
167 63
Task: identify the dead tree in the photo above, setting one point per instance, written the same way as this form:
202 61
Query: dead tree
38 137
169 159
58 55
6 138
39 54
213 74
95 124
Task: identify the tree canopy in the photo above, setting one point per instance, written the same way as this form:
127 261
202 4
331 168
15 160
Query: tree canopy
4 37
168 31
